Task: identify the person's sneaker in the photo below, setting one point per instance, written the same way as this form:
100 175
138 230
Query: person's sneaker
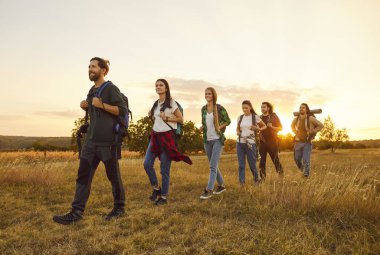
161 201
206 194
219 190
306 176
155 193
115 213
68 218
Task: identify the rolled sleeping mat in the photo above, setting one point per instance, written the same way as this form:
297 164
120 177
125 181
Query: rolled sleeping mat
315 111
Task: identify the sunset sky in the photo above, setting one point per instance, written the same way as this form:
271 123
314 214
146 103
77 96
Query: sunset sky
325 53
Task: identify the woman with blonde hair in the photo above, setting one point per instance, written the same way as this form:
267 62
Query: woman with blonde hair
214 122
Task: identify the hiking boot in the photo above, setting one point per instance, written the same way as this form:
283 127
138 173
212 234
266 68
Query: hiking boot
115 213
68 218
206 194
219 190
155 193
161 201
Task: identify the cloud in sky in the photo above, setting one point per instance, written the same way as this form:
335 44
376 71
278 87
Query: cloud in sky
324 53
4 117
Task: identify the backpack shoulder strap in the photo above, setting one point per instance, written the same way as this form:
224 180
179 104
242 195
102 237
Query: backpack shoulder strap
102 87
240 119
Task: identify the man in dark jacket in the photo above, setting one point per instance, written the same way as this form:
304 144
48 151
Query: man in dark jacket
269 140
100 143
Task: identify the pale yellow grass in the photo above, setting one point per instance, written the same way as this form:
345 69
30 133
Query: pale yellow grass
336 211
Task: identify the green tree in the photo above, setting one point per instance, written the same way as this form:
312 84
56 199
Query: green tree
191 140
77 123
286 142
139 135
331 135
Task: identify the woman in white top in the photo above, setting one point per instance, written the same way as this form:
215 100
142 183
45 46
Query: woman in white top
165 114
214 122
248 124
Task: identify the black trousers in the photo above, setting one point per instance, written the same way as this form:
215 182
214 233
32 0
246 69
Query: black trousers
271 148
90 158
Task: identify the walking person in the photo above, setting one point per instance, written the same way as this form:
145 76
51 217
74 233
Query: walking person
214 122
100 143
305 127
269 142
165 115
246 145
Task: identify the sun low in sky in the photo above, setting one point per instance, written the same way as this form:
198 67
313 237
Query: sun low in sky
324 53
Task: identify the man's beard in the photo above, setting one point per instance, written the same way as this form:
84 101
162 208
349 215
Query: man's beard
94 77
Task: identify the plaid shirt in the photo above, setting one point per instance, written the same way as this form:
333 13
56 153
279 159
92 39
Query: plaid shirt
164 141
223 119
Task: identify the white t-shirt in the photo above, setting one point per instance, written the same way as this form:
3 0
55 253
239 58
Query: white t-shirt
211 133
159 124
245 127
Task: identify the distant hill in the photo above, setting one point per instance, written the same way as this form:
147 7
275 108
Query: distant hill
368 143
12 143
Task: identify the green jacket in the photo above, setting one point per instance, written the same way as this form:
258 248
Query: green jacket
223 119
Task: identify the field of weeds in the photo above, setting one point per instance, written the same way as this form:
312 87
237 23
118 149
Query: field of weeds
335 211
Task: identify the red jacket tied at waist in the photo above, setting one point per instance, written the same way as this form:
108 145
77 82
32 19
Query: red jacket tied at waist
164 142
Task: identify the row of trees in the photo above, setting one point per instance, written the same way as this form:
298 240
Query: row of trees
191 142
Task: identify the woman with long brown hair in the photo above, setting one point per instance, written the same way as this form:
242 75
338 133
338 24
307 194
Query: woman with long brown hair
248 123
214 122
165 115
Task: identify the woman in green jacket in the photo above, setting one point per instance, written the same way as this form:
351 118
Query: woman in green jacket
214 122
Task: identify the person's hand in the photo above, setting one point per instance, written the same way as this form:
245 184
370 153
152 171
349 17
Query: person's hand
312 132
201 129
269 125
84 105
163 116
254 128
238 132
217 129
97 102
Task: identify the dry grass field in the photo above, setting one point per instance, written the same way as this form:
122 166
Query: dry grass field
336 211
